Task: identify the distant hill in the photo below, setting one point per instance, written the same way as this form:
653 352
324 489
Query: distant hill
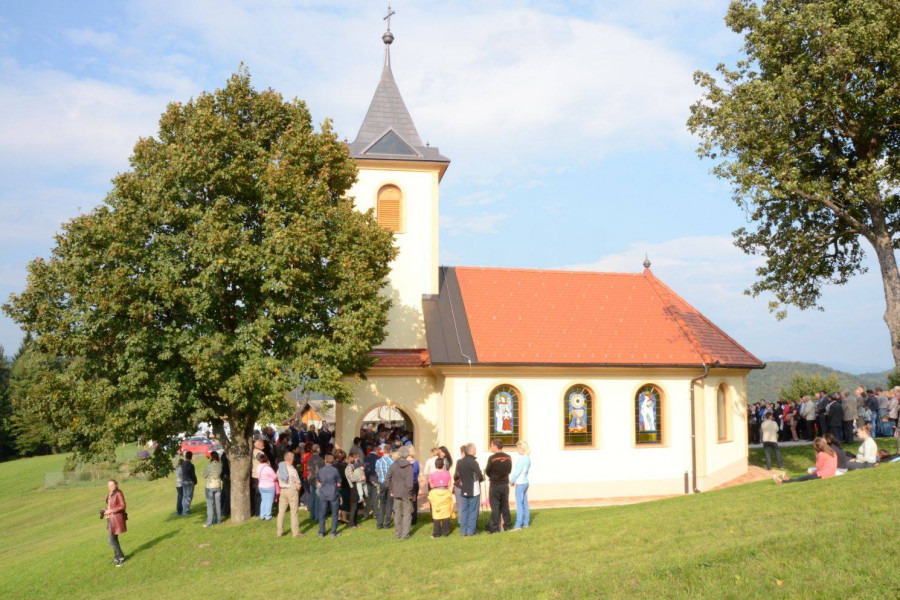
766 383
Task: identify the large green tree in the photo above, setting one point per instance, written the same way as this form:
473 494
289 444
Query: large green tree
806 126
35 380
7 448
224 268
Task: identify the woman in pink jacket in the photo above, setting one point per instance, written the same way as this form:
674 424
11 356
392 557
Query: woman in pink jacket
115 520
267 480
826 464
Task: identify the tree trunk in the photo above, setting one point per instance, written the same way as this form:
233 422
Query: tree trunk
890 277
237 447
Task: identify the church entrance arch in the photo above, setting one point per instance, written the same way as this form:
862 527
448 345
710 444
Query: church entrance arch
391 416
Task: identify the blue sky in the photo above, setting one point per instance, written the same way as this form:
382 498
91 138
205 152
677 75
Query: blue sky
564 122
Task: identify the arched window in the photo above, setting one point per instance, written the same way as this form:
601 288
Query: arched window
503 414
722 413
648 415
389 208
578 416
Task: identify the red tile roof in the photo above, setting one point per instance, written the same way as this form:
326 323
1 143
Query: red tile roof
387 358
524 316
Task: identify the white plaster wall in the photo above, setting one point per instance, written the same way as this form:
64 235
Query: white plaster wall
615 466
415 270
720 455
416 393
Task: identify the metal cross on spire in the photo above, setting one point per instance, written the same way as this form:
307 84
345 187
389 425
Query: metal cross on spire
390 13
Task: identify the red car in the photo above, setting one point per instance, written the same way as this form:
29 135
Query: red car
197 445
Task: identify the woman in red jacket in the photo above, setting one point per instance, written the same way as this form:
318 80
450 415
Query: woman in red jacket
115 520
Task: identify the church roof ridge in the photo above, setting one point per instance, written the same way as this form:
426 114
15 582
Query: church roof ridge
538 270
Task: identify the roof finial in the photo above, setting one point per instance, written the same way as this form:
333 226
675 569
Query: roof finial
646 261
388 37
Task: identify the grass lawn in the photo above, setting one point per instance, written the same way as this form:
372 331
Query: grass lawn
822 539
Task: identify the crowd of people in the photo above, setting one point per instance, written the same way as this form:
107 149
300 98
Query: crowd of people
838 413
832 422
378 478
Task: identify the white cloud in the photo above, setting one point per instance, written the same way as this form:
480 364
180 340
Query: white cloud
101 40
479 198
482 224
54 119
515 87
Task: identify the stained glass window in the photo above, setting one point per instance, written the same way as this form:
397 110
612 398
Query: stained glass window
720 413
648 415
578 416
503 414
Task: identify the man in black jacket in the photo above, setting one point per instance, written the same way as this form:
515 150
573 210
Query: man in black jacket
470 477
498 468
834 412
189 480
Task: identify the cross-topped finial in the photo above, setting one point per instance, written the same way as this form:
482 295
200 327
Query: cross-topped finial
390 14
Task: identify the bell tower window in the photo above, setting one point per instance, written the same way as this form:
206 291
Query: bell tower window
389 208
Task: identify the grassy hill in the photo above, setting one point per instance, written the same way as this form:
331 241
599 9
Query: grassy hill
754 541
767 383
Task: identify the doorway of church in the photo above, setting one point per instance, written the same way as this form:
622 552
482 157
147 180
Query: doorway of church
387 424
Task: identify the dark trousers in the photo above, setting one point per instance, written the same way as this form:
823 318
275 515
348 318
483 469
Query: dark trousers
354 504
312 503
768 447
804 478
226 497
821 425
385 507
754 433
255 498
178 500
114 542
441 527
848 431
325 507
810 429
836 431
415 502
499 498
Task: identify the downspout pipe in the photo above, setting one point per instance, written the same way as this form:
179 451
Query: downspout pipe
694 381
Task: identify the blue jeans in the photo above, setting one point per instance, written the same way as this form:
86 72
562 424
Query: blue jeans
312 503
326 506
178 499
187 496
213 507
267 496
468 515
523 517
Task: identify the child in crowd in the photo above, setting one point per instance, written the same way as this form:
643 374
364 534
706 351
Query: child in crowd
442 500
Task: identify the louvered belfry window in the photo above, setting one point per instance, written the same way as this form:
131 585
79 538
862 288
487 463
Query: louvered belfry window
389 209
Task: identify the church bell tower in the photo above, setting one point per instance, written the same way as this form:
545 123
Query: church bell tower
399 177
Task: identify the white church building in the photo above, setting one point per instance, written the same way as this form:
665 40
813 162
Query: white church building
620 386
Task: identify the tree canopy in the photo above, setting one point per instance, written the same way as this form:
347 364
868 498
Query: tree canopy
806 126
224 268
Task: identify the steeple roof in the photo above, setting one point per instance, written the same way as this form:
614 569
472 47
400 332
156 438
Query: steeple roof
388 132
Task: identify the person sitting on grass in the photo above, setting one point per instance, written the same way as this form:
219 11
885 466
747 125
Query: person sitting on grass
868 451
826 464
843 461
442 500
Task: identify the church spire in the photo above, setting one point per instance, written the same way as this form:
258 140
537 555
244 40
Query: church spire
388 132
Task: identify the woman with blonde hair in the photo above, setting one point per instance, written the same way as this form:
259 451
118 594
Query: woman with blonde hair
519 480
